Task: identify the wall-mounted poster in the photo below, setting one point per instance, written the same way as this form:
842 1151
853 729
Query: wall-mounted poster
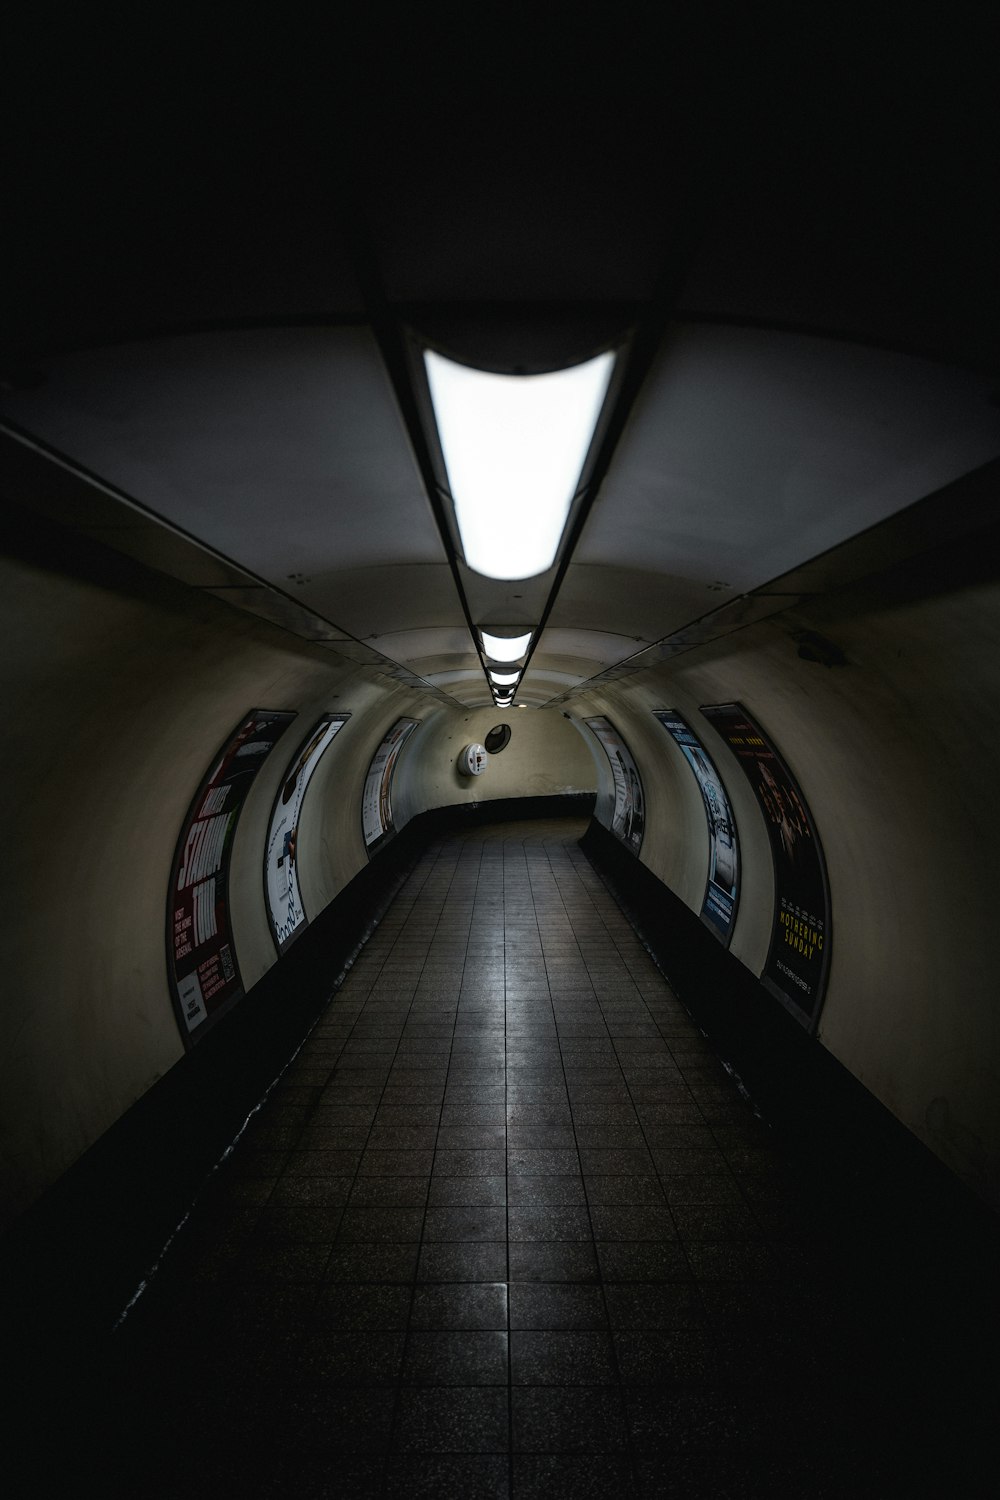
718 908
798 958
201 959
376 803
629 818
285 911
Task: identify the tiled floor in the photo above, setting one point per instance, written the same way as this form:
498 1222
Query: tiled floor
507 1227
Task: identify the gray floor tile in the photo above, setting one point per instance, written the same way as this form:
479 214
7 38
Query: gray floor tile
481 1305
553 1261
536 1191
556 1305
365 1261
302 1223
446 1476
638 1306
490 1163
456 1358
632 1190
389 1192
395 1163
380 1225
448 1192
567 1419
563 1476
562 1358
534 1163
649 1260
678 1357
548 1222
468 1222
368 1305
632 1222
463 1262
449 1420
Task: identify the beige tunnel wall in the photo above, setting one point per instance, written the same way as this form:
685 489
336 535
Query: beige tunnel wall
544 758
119 694
896 755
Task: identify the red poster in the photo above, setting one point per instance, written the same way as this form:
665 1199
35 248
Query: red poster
204 975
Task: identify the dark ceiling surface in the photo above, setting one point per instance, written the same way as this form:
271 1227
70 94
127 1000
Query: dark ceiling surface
215 229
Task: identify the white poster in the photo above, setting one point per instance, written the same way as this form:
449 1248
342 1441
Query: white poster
719 906
629 818
281 885
376 804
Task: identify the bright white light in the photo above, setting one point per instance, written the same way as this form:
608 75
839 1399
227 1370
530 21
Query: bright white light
499 649
504 679
514 446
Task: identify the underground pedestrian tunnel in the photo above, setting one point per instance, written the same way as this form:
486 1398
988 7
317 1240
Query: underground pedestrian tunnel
501 648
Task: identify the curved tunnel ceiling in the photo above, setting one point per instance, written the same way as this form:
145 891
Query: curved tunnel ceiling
746 453
802 274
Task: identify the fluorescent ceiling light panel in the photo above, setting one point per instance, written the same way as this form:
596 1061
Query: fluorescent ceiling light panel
514 447
504 679
500 649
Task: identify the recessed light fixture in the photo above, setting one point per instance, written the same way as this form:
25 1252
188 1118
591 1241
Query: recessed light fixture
504 679
514 447
500 648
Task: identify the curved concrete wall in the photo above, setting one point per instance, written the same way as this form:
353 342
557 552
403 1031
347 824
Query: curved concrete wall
122 694
544 758
896 755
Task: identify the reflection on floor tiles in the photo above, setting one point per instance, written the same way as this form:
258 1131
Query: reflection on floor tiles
506 1227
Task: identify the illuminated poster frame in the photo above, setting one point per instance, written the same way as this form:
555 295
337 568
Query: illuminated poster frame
202 970
722 890
798 958
628 821
282 897
376 801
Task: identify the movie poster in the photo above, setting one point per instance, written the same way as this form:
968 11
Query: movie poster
718 908
629 818
285 911
799 955
376 803
204 977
